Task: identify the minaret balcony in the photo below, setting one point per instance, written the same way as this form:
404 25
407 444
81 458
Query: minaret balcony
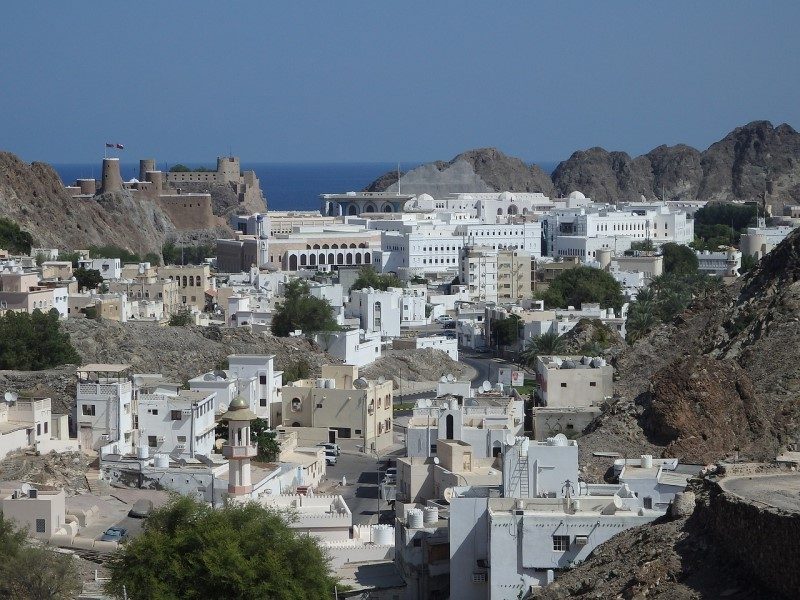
229 451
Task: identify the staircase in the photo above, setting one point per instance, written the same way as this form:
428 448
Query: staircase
522 473
97 486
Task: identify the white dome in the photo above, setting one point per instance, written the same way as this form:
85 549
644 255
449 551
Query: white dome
506 197
423 198
576 195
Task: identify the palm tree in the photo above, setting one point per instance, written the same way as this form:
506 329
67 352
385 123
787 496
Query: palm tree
543 345
639 322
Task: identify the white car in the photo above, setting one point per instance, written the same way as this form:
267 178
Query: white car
444 319
329 446
330 458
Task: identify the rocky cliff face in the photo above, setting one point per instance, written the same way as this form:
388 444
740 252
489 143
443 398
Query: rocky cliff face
724 374
741 166
34 197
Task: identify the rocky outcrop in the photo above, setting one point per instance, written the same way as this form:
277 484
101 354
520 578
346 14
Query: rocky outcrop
746 162
480 170
34 197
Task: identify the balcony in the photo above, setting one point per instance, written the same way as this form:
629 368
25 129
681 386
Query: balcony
239 451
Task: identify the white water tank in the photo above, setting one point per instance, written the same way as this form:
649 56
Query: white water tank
383 535
647 461
161 461
414 518
143 452
430 515
320 383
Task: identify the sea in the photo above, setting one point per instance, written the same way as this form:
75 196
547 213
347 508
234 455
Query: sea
287 186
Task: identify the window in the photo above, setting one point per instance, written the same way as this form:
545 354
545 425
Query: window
592 384
262 379
45 426
40 525
262 402
152 441
88 410
647 502
176 415
38 429
560 543
181 439
563 384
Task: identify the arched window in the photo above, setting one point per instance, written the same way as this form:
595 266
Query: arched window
367 258
370 208
316 247
322 258
449 427
312 260
499 211
331 258
340 259
296 405
302 260
387 208
325 246
352 210
349 258
293 262
352 245
358 258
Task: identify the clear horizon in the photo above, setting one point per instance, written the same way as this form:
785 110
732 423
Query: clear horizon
334 83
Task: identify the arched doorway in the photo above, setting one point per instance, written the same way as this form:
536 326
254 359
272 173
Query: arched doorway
293 262
449 427
352 210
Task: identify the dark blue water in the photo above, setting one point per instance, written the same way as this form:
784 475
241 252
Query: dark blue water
287 186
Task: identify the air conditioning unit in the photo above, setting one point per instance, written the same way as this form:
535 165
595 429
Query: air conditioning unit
160 439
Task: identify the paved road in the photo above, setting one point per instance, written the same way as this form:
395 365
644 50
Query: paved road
363 474
779 491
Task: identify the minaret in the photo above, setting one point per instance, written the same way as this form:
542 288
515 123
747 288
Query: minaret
239 450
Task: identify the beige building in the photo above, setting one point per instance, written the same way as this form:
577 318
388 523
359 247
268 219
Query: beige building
573 381
513 275
192 280
284 222
141 282
312 247
340 400
57 269
41 513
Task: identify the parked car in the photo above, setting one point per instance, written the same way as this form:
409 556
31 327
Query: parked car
141 509
391 475
444 319
330 458
115 534
330 446
449 325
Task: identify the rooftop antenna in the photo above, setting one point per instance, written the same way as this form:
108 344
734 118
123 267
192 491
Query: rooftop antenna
398 178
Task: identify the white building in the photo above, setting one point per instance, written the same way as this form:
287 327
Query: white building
351 346
654 480
176 422
446 344
760 240
104 408
377 311
109 268
726 263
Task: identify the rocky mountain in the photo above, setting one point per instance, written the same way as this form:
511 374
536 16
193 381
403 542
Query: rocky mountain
481 170
746 162
723 376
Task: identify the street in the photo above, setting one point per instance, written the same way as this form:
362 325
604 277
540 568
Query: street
363 474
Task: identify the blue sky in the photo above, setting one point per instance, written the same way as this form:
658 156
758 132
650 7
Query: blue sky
378 81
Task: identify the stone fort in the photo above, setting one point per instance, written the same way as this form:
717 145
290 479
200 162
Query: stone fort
186 209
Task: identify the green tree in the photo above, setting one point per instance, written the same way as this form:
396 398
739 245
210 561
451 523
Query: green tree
748 263
679 259
300 369
643 245
32 342
369 278
301 310
34 572
189 550
179 168
14 239
187 255
88 279
505 332
574 287
181 318
546 344
265 440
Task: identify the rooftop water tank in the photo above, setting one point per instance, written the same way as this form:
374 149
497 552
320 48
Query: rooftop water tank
430 515
320 382
647 461
414 518
383 535
161 461
143 452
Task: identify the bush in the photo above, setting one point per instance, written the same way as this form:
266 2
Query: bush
190 550
181 318
369 278
301 310
301 369
125 256
574 287
32 342
14 239
187 255
679 260
33 572
88 279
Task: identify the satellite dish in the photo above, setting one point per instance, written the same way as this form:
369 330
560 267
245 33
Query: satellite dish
486 386
381 380
436 460
448 494
220 374
442 379
209 377
138 381
510 439
360 384
451 378
10 397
